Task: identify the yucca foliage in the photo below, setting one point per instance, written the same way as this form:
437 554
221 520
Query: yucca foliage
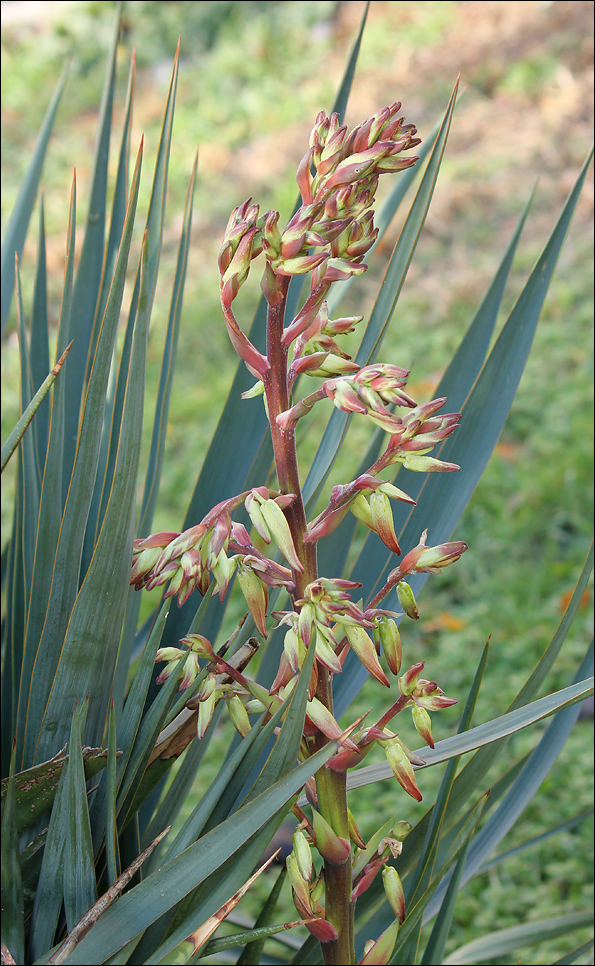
98 704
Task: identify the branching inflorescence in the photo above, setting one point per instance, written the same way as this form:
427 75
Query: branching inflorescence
326 239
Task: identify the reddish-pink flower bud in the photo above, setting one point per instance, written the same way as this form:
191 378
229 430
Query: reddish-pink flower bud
408 681
366 877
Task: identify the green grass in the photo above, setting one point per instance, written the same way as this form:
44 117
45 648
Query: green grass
249 101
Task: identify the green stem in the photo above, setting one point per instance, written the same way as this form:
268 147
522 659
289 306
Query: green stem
331 787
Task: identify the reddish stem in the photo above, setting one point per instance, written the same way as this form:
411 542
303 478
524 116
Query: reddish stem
331 786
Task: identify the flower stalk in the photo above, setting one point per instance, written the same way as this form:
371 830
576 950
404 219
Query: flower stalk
327 238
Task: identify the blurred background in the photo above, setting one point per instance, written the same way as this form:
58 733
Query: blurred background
253 77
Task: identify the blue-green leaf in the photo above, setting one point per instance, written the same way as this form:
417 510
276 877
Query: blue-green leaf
16 230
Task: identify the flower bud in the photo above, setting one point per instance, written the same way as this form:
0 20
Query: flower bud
401 830
324 650
354 832
433 559
317 888
382 519
238 715
301 891
361 510
191 669
321 718
408 682
423 724
366 877
365 650
171 666
278 526
323 930
168 654
402 768
393 888
407 600
333 848
303 855
306 622
294 650
387 633
427 464
379 953
256 596
205 713
199 645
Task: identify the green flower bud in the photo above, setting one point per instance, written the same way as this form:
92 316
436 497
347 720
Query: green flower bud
303 855
238 715
393 888
407 600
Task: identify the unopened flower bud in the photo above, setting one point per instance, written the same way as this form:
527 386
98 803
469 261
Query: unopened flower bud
301 891
402 768
365 650
379 953
427 464
256 596
205 713
317 888
387 633
354 832
393 888
238 715
423 724
382 519
279 528
433 559
191 670
401 830
408 681
407 600
303 855
332 847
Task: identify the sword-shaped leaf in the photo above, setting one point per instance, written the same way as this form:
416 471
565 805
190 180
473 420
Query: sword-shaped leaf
106 580
505 941
65 576
16 230
143 904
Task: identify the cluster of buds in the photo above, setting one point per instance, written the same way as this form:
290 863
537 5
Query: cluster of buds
316 351
329 235
374 510
308 886
306 891
328 619
369 392
215 681
188 560
418 432
345 178
421 696
341 159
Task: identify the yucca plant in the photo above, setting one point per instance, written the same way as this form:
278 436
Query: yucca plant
91 871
